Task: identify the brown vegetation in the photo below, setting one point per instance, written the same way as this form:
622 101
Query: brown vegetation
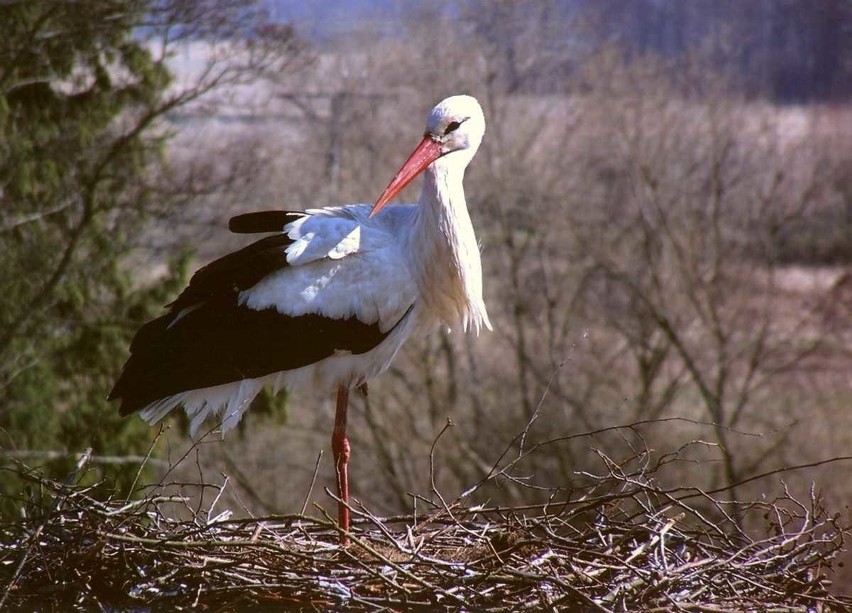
620 541
655 252
637 238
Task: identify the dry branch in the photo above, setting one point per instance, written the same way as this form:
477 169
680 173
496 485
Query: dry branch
620 542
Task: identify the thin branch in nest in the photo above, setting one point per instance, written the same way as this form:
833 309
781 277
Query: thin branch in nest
618 542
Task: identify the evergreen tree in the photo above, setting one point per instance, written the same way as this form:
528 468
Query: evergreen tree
79 140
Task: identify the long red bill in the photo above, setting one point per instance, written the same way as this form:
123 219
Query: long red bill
426 152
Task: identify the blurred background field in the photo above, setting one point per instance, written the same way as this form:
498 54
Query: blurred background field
663 197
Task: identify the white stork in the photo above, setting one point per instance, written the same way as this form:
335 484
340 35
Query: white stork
323 303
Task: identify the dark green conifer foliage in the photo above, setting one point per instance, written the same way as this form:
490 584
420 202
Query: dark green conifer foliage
80 99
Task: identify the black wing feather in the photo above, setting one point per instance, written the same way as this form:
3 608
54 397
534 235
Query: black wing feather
222 342
208 339
262 221
236 271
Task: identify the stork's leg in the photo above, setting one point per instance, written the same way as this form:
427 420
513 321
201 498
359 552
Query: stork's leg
340 449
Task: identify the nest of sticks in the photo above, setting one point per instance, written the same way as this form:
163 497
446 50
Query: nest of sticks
617 542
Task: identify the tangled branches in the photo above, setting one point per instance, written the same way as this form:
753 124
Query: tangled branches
617 542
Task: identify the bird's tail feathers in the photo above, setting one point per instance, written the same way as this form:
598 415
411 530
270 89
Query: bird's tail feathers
226 402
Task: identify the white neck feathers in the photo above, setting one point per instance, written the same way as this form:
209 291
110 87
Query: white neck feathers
444 252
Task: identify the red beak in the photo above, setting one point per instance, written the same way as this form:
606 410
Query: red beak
427 152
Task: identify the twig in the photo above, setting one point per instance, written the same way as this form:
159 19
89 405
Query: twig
313 482
82 460
151 447
618 542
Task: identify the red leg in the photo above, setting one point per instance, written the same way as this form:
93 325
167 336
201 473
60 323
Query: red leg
340 449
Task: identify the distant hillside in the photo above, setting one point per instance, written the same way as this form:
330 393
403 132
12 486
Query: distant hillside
791 52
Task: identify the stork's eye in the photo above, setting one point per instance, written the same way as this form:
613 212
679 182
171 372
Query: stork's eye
452 127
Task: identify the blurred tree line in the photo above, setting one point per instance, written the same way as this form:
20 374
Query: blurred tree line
78 99
783 50
638 213
643 220
84 90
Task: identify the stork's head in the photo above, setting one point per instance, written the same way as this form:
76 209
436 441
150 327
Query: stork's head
454 130
457 123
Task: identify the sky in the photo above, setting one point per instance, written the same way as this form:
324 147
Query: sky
320 20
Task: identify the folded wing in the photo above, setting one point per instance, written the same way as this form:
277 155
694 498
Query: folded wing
283 302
